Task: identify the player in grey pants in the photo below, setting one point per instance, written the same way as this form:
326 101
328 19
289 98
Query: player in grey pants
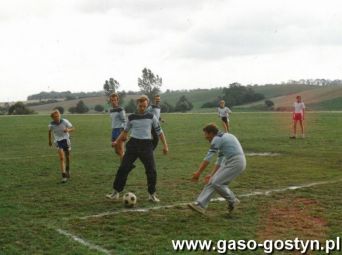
231 162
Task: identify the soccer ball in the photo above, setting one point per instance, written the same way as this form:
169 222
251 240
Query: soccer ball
129 199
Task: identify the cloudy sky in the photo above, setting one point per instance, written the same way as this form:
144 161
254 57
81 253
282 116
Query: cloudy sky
77 44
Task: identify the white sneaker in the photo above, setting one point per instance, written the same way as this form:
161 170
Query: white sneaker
113 196
153 198
64 180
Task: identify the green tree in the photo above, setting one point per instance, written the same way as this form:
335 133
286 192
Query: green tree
131 107
166 107
99 108
81 107
269 103
19 108
149 83
111 86
72 109
183 105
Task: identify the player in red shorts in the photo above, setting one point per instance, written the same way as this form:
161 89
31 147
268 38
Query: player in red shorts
298 115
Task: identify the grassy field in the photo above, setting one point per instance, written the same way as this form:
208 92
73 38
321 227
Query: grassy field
34 205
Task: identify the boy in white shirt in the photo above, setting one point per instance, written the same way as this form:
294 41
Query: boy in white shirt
223 113
298 115
60 129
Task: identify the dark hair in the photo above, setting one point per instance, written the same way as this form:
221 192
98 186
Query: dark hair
211 129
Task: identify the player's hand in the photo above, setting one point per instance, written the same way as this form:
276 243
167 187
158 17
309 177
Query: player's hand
195 176
165 149
114 143
207 179
66 130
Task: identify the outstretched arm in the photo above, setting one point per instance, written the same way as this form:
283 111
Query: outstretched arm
165 146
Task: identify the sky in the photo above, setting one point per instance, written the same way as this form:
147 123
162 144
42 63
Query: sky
78 44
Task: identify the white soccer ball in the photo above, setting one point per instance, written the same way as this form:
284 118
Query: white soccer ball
129 199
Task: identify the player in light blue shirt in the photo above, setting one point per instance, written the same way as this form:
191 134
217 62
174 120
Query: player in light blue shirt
118 117
231 162
155 110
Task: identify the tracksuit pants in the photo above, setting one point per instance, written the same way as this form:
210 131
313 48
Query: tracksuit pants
142 149
229 169
155 139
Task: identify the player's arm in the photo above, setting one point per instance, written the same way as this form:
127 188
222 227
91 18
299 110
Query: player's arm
163 140
69 129
212 151
50 143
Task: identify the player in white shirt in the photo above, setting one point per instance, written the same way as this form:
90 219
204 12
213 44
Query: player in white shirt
298 115
223 113
60 129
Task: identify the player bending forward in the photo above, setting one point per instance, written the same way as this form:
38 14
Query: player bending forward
139 146
231 162
223 113
60 129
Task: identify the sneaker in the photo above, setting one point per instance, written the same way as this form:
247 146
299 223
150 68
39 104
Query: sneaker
113 196
197 208
153 198
292 137
231 206
64 177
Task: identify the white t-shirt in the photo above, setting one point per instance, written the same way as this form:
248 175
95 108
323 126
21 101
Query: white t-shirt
298 107
58 129
224 112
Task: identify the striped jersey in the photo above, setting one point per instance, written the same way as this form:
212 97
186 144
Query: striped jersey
226 145
58 129
155 110
223 112
118 117
141 125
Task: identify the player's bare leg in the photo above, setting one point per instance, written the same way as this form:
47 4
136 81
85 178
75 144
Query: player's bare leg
62 164
67 163
225 127
120 150
302 127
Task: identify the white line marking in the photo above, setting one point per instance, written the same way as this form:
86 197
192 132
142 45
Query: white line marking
255 193
261 154
83 242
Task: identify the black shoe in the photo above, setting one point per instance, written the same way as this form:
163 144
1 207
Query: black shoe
292 137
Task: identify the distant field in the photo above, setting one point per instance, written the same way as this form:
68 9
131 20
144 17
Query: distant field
315 97
34 205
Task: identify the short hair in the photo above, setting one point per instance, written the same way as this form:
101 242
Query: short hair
298 97
222 101
114 95
211 128
54 111
157 96
142 98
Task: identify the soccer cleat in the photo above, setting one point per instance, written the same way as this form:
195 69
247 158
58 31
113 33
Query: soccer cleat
292 137
231 206
153 198
64 178
197 208
113 196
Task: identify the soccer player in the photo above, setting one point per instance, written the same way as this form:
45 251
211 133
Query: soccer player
155 110
298 115
118 117
139 146
60 129
231 162
223 113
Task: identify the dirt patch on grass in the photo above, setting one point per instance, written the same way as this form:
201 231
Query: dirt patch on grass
291 218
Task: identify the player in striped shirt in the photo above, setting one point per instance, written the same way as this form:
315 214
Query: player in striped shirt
139 146
60 129
298 115
118 117
223 113
231 162
155 110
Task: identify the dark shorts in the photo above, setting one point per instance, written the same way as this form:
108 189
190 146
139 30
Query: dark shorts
115 133
225 120
64 144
